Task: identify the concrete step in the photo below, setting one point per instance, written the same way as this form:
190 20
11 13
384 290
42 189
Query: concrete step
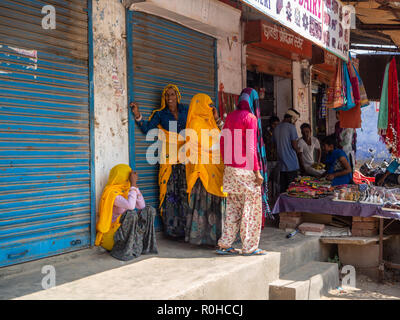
179 271
309 282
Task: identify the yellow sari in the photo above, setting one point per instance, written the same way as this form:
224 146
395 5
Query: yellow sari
209 166
171 144
118 184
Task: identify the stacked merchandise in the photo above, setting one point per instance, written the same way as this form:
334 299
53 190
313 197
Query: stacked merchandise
310 188
389 115
347 94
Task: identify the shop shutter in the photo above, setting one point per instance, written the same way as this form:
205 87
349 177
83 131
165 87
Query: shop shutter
161 52
45 190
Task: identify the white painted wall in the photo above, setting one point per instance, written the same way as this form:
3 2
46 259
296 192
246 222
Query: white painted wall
283 95
110 93
298 86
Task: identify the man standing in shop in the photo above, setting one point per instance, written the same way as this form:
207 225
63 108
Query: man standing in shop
285 137
272 158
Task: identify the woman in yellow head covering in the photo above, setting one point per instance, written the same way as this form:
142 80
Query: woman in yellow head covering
171 119
204 173
122 229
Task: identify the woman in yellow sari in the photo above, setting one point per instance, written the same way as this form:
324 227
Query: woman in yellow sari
204 173
125 225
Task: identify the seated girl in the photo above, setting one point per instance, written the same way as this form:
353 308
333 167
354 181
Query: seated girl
125 226
337 164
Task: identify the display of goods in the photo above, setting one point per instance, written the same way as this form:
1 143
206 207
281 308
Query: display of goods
347 193
309 187
374 195
318 166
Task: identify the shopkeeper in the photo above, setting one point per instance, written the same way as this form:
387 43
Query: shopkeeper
389 176
338 165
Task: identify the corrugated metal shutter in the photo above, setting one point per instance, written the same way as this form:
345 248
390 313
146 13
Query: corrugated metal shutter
163 52
45 192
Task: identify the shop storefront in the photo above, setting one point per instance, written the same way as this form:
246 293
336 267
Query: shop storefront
46 173
323 71
271 51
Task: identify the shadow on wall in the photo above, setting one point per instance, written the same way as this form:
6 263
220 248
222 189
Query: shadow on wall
367 136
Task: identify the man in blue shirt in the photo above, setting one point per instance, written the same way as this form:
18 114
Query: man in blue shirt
389 176
285 137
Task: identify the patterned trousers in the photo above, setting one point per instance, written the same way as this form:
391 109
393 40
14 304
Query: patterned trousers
243 209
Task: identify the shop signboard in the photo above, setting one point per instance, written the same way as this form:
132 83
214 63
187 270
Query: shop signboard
324 22
278 39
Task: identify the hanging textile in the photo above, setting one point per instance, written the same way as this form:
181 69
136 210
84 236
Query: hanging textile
335 93
364 102
349 102
383 106
391 95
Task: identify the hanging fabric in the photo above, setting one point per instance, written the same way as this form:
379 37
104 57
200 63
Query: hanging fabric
349 102
334 93
383 107
389 114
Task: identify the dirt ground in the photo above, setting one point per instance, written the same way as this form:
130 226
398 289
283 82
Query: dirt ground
367 289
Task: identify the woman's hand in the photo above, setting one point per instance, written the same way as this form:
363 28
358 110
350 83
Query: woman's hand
135 109
133 178
330 177
215 113
259 178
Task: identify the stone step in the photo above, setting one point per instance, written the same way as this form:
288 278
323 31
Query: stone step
309 282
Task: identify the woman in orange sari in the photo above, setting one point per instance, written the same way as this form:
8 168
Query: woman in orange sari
204 173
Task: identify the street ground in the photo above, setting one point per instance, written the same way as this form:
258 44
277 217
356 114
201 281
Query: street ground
367 289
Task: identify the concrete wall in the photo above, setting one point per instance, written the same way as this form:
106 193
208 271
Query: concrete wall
110 94
283 95
230 64
110 69
301 96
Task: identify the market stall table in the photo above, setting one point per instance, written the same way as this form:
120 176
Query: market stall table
326 205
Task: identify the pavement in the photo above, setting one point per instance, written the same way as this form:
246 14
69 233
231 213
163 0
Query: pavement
179 271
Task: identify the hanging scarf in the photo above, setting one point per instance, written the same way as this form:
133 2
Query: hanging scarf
383 107
200 117
250 96
118 185
335 95
393 129
349 102
364 102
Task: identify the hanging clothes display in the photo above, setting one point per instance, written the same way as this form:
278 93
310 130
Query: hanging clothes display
347 95
389 115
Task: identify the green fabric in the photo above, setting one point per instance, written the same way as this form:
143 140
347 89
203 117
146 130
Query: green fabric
383 107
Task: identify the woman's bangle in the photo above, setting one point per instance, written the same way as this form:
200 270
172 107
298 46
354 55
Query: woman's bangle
138 118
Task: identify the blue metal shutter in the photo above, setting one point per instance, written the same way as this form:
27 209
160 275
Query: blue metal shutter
161 52
45 191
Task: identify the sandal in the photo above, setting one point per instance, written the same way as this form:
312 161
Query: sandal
227 251
258 252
